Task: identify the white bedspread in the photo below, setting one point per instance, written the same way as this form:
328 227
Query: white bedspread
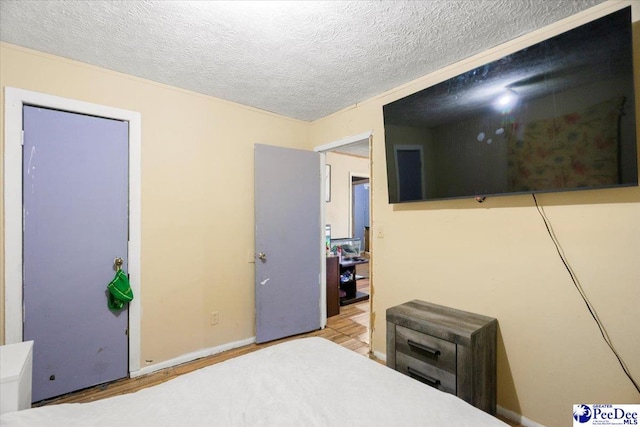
305 382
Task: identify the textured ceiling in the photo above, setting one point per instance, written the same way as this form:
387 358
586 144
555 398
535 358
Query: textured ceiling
302 59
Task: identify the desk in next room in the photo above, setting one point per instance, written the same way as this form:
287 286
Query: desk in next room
351 293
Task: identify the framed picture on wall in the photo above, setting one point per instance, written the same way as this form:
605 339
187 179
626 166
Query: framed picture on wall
327 183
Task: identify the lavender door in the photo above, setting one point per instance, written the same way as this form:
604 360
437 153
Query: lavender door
288 242
75 196
360 210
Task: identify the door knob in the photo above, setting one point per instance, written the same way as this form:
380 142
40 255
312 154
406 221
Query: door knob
262 256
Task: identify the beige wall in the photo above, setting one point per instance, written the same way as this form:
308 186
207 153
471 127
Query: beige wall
337 211
197 196
496 259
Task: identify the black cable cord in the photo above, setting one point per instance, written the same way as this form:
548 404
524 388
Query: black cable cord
576 283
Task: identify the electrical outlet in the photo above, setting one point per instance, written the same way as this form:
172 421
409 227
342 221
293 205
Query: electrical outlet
214 317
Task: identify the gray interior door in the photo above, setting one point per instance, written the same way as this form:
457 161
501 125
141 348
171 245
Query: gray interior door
360 210
288 235
75 196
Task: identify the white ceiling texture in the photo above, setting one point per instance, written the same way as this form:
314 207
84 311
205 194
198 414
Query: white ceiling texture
301 59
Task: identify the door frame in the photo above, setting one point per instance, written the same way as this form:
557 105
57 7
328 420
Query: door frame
323 149
15 99
423 180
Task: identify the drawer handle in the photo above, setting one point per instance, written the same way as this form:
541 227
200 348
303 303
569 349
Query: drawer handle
432 351
422 377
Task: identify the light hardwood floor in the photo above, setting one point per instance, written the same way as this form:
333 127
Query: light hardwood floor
349 329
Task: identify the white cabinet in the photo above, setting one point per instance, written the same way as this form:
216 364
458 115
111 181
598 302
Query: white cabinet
16 362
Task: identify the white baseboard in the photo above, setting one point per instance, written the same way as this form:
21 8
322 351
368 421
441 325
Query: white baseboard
503 412
513 416
379 355
191 356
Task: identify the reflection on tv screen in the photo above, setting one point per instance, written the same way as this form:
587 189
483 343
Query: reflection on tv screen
555 116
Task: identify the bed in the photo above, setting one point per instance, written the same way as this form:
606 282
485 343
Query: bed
304 382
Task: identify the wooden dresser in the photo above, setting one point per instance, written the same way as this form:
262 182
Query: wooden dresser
333 286
451 350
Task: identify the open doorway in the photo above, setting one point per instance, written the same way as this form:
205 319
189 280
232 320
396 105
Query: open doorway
360 217
347 214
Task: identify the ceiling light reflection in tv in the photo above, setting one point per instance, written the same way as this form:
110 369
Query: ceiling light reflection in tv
555 116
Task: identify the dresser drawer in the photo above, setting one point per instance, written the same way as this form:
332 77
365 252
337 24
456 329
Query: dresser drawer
430 350
426 373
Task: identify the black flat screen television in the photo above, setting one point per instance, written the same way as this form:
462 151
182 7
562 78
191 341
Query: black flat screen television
555 116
